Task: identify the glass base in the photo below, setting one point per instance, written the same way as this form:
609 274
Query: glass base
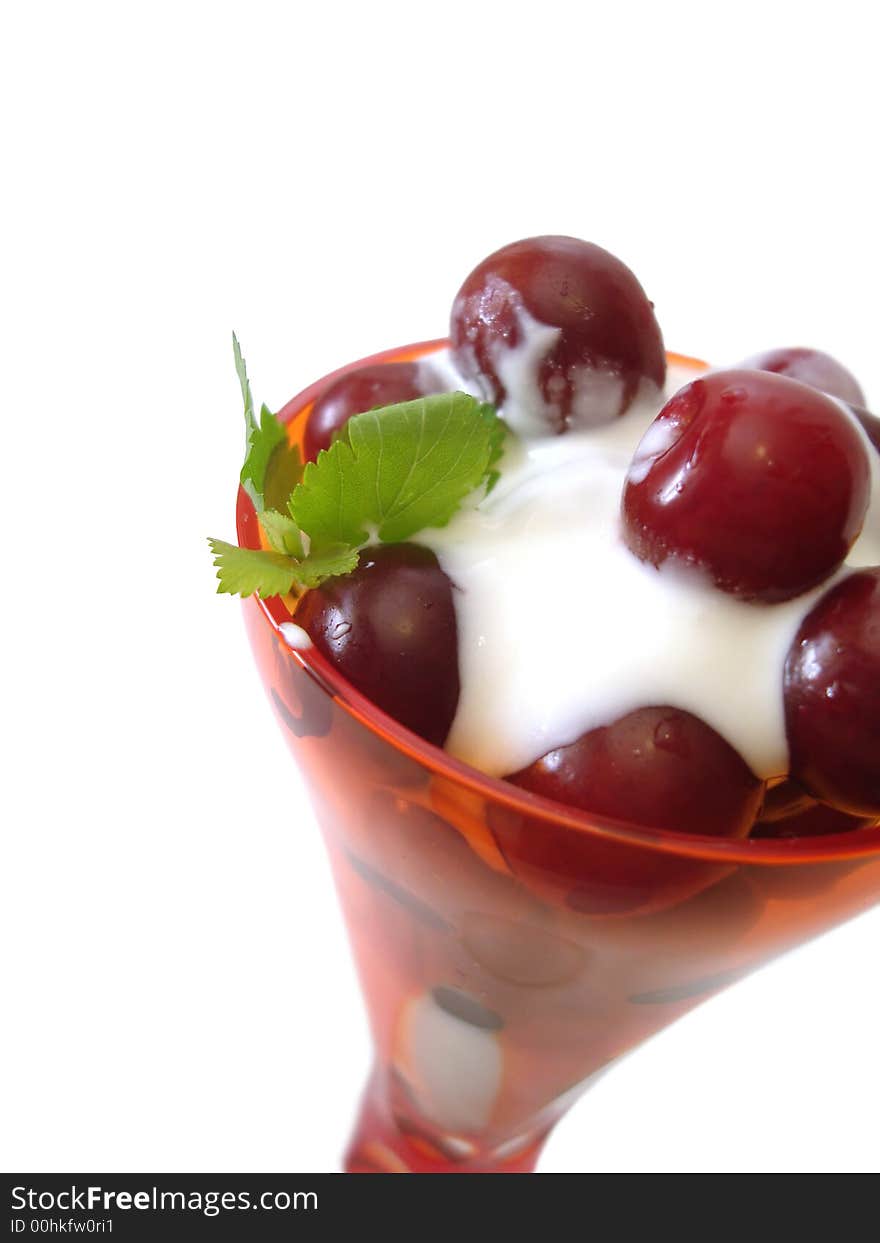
383 1143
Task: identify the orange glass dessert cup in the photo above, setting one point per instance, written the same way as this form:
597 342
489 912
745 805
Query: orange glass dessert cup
508 947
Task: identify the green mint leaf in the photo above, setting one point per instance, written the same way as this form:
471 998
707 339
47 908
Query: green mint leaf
397 470
282 533
390 474
272 467
326 563
242 571
264 439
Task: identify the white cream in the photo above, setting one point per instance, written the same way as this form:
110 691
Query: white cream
528 410
295 637
525 410
438 373
562 629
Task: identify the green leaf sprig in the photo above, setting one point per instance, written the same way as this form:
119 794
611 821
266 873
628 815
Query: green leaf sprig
391 473
264 439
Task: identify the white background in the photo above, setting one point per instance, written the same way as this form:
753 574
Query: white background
321 178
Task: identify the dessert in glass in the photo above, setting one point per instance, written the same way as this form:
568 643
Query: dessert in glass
605 737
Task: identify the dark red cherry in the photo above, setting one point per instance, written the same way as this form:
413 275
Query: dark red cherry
606 339
365 388
389 627
832 696
660 768
655 768
811 367
758 480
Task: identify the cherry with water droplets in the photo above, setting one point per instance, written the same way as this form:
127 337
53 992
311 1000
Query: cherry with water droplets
832 696
659 768
654 768
757 480
558 332
389 627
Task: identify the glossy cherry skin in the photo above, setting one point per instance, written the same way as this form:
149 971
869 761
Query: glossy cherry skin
759 481
655 768
389 627
832 696
607 342
365 388
811 367
660 768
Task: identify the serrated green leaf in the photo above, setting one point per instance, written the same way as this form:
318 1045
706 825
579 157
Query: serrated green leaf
397 471
271 464
242 571
263 442
327 563
282 533
391 473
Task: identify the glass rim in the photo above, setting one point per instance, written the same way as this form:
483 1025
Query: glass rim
855 844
